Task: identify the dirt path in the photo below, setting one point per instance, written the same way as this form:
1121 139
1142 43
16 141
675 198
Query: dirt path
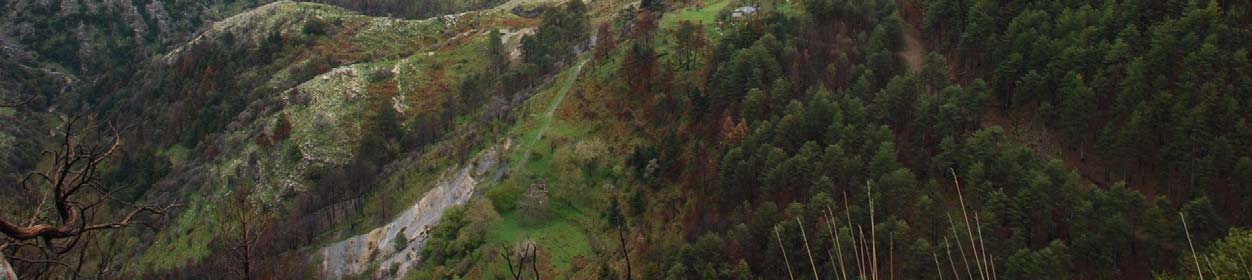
914 50
560 96
545 121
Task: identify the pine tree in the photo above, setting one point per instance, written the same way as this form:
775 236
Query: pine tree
934 74
1077 110
1243 184
499 59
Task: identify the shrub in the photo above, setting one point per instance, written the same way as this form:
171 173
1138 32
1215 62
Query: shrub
401 242
504 196
315 27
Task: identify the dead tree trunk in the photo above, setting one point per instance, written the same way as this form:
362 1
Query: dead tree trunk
534 259
249 229
621 238
508 259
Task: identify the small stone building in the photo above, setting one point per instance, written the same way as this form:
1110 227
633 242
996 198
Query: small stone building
533 205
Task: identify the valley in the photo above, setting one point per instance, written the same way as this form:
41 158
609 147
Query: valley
615 139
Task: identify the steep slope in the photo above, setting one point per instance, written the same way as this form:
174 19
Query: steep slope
299 91
382 247
415 9
99 42
803 130
61 56
377 249
688 143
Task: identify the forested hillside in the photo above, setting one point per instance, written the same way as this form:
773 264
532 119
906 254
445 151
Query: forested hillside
614 139
1156 91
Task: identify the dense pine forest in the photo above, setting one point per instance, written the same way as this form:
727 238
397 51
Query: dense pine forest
617 139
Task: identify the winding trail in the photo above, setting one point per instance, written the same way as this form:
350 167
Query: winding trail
545 121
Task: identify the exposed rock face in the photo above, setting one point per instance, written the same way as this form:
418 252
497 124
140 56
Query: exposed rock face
357 254
513 40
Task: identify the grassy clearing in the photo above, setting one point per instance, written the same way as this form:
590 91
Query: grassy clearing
532 156
532 153
706 15
559 237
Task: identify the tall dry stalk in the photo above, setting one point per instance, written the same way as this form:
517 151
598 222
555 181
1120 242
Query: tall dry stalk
847 210
869 194
968 231
1211 268
938 269
986 266
863 252
860 256
959 248
834 236
993 268
1192 246
806 248
891 255
1244 264
831 257
784 252
867 271
956 275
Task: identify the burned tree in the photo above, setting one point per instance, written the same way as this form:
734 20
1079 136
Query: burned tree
246 229
68 202
617 221
528 252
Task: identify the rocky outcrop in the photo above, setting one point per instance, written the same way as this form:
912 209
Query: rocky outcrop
377 248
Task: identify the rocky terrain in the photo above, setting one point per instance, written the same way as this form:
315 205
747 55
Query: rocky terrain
357 254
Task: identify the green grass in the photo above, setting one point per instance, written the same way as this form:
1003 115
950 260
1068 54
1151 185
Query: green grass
545 121
533 130
558 237
189 241
706 16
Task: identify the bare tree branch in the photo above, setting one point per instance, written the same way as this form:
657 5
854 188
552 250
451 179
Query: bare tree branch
71 195
505 252
14 104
